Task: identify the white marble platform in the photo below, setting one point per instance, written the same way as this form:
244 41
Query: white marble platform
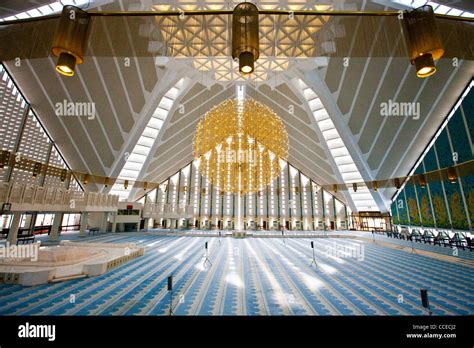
68 260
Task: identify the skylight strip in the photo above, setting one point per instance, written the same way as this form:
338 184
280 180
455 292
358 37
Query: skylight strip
142 148
442 9
418 3
437 7
347 169
44 10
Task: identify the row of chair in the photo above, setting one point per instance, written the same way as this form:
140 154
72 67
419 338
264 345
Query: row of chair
432 236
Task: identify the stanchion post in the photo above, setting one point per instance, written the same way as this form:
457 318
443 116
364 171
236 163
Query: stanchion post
206 260
314 257
424 300
170 290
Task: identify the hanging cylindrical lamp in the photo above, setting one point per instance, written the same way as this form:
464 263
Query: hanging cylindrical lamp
423 40
245 40
70 39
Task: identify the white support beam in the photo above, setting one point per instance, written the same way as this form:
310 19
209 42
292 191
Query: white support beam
361 171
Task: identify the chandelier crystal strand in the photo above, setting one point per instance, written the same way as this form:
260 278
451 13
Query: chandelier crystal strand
243 142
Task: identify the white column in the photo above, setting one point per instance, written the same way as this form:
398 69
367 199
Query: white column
53 236
13 234
104 224
114 222
84 218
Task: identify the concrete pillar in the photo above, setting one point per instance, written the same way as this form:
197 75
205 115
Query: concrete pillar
84 218
103 226
151 223
114 222
53 236
13 234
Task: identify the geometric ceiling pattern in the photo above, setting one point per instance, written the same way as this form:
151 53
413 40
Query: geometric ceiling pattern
225 69
203 40
279 35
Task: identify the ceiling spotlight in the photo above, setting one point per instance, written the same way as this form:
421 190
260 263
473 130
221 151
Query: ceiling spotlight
334 188
245 40
70 39
422 180
396 181
424 65
354 187
246 62
423 40
85 179
452 176
66 64
375 185
125 184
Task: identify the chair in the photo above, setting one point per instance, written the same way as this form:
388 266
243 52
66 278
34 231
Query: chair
428 236
4 232
442 239
470 243
416 235
404 233
458 240
94 230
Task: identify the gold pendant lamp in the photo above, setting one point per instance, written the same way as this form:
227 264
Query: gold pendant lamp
245 40
70 39
423 41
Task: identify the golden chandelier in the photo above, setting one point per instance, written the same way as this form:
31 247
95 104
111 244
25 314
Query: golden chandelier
239 144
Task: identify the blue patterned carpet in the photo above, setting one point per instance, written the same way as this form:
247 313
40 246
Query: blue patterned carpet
254 276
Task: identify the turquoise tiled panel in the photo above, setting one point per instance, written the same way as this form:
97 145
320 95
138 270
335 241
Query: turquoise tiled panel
393 209
412 205
456 137
430 161
468 187
468 108
456 205
425 206
459 137
445 155
402 208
